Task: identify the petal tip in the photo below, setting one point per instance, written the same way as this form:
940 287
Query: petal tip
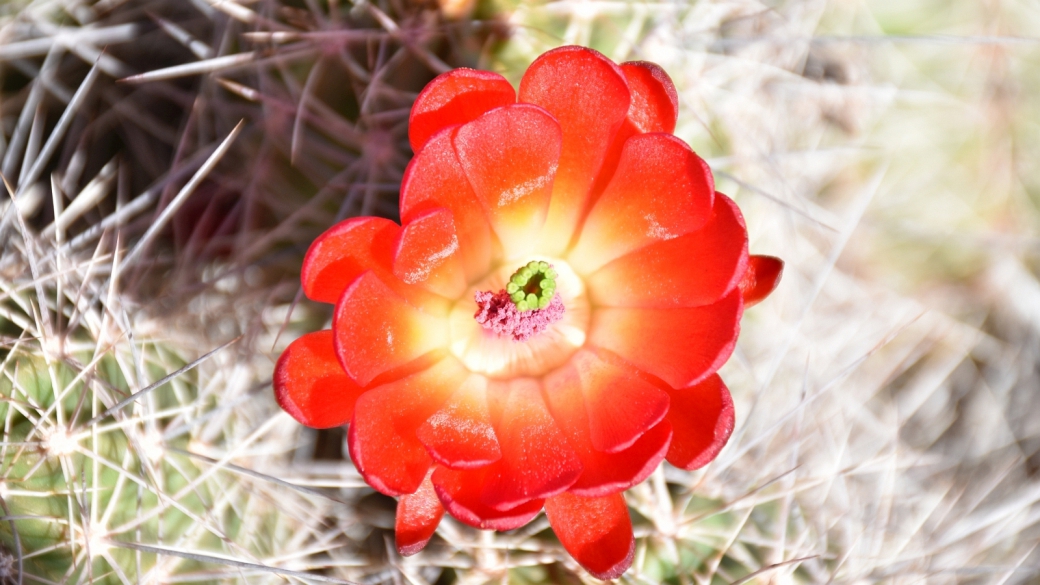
310 384
761 279
407 550
619 569
703 417
455 97
597 532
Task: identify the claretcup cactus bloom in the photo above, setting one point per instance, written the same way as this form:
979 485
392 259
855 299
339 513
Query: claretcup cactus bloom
545 325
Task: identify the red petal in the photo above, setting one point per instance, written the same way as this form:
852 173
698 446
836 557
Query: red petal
456 97
382 438
460 492
661 190
597 532
343 252
621 406
602 473
460 435
435 179
680 346
427 254
654 108
762 277
702 416
418 515
310 384
376 330
655 103
510 156
588 95
691 270
537 461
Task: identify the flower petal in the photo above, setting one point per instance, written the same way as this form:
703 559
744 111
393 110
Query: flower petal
680 346
602 473
621 406
654 108
310 384
382 438
435 179
456 97
510 156
460 492
608 473
343 252
692 270
702 416
427 254
655 103
661 190
460 435
537 461
597 532
418 515
588 95
762 277
377 330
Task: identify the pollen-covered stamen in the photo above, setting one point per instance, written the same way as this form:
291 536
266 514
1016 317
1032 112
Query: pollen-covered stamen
497 312
533 286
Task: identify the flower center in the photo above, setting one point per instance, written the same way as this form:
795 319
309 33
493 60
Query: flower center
533 286
496 312
535 321
526 307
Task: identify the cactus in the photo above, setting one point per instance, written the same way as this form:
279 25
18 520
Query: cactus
154 221
871 417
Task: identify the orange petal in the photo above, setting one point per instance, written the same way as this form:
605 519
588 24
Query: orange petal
460 492
427 254
597 532
376 330
602 473
343 252
621 406
456 97
418 515
661 190
510 156
382 437
588 95
310 384
702 416
435 179
460 435
694 269
680 346
762 277
537 461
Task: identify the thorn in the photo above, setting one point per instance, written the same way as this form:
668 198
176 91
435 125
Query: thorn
136 395
197 68
239 89
7 185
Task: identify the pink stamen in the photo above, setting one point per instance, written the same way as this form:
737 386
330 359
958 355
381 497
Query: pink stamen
496 311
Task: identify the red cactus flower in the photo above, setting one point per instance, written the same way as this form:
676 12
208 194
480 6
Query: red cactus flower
546 324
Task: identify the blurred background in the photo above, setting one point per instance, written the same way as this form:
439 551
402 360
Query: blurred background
167 163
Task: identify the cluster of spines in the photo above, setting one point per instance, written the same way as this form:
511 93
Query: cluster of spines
532 286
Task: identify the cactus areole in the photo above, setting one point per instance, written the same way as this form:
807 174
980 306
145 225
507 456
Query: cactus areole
545 326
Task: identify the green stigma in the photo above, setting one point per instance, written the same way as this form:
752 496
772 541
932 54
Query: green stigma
532 286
